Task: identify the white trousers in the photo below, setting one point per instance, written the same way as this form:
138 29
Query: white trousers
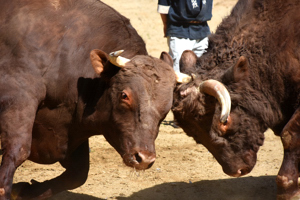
178 45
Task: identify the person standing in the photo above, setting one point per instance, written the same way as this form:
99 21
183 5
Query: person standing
185 26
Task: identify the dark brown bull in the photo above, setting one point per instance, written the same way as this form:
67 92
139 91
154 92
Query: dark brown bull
255 55
52 101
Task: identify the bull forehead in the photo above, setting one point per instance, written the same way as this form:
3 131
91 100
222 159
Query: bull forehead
142 90
152 70
148 90
149 65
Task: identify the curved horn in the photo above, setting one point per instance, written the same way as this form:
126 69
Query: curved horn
116 59
219 91
183 78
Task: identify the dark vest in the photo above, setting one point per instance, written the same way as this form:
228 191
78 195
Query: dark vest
188 18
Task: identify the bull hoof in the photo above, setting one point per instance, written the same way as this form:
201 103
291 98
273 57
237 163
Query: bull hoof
288 197
284 182
287 189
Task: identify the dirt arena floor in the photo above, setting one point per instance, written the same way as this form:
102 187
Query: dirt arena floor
183 170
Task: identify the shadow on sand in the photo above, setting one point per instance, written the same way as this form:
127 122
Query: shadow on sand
247 188
67 195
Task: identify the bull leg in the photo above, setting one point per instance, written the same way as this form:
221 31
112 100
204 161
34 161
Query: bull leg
77 167
16 129
287 179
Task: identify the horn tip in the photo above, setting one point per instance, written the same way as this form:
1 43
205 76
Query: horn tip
116 53
182 78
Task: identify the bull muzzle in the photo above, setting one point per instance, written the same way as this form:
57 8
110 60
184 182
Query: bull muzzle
139 160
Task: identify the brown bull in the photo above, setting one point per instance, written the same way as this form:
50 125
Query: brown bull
57 90
255 58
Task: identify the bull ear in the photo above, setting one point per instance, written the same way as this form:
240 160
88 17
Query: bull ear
241 69
98 59
164 56
187 62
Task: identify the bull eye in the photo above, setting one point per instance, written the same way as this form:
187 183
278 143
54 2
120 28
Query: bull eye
225 125
223 128
124 96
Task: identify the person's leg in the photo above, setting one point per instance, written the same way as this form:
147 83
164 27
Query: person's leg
200 46
176 47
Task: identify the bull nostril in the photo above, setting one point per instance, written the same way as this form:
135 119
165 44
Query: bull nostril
244 171
241 172
138 158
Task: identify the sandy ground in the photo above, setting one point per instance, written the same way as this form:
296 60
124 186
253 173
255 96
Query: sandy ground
183 170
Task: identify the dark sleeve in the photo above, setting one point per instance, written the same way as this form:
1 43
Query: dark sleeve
164 2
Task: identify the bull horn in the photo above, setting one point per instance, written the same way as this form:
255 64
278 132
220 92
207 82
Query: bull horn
219 91
116 59
182 78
